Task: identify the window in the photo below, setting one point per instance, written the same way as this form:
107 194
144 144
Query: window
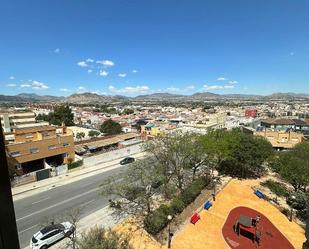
15 153
30 135
45 133
66 144
51 234
52 147
34 150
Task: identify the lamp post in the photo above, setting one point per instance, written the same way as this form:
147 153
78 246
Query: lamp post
169 218
214 193
291 212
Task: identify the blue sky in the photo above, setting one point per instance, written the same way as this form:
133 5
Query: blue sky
131 47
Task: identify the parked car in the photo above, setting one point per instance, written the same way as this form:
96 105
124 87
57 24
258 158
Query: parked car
127 160
51 234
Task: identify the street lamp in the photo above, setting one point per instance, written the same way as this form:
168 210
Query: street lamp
214 193
170 235
291 212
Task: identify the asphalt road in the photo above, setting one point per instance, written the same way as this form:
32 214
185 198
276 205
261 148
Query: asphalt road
32 211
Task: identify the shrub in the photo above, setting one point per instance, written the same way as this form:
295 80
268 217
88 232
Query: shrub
276 187
74 165
157 220
177 205
300 201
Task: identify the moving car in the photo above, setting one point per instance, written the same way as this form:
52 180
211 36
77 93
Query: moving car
49 235
127 160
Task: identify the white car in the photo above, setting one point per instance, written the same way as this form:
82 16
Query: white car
50 235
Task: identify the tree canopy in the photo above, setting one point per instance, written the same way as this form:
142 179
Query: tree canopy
61 114
100 238
293 166
110 127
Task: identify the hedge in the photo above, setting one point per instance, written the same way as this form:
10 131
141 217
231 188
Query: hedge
74 165
276 187
157 220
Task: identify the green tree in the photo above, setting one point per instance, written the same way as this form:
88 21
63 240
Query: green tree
111 127
80 135
100 238
93 133
133 195
293 166
247 155
128 111
61 114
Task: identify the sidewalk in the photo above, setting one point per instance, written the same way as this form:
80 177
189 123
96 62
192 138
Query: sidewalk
101 218
76 174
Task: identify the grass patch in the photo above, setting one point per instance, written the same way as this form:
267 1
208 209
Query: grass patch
276 187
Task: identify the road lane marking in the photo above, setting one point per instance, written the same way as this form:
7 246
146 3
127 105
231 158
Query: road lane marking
58 204
40 201
29 228
87 203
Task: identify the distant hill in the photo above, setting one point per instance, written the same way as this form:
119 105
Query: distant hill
87 98
159 96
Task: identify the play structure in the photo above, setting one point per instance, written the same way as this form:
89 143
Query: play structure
245 228
249 227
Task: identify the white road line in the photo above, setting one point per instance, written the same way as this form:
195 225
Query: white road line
40 201
27 229
87 203
58 204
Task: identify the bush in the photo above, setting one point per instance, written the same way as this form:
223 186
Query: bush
74 165
276 187
156 221
300 201
177 205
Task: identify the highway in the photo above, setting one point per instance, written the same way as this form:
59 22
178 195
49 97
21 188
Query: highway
85 193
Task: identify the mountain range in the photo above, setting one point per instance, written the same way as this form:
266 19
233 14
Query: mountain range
87 98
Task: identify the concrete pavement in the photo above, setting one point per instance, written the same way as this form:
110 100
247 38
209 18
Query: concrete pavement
35 203
92 165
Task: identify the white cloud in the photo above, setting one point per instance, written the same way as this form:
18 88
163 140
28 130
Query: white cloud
82 64
64 90
172 89
107 63
89 70
57 50
103 73
37 85
229 86
11 85
90 60
129 89
12 78
217 87
221 78
233 82
188 88
134 71
122 75
25 85
81 89
213 87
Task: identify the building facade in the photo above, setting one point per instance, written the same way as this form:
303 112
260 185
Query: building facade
36 148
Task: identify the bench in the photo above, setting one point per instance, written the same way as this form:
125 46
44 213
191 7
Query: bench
207 205
259 194
195 217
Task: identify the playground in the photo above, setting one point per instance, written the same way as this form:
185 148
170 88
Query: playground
246 228
215 226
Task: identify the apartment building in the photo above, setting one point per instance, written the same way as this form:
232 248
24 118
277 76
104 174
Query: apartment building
11 121
284 124
280 139
35 148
